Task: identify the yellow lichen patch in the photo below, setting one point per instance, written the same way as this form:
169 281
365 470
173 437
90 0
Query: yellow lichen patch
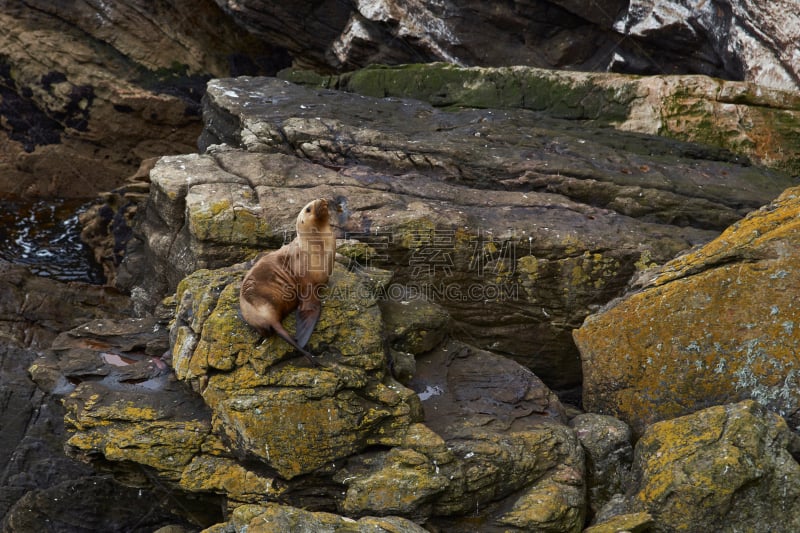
722 465
226 476
296 434
418 232
762 230
645 261
529 265
405 480
547 506
165 446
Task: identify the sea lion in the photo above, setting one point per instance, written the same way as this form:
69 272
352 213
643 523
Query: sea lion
291 278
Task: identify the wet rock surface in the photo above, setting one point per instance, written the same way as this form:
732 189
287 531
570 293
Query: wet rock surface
39 483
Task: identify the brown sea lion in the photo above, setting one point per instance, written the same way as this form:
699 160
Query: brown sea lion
291 278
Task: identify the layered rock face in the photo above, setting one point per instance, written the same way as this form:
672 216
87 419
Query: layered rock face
751 40
519 224
73 74
752 121
748 40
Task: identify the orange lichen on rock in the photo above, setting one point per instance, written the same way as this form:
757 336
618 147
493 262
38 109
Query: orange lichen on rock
714 326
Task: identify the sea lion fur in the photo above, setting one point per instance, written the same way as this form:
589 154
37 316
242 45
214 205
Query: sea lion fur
291 278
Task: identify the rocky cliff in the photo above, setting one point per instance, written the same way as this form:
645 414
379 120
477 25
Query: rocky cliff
90 89
426 411
562 300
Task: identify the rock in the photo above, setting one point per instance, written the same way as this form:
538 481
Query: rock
523 209
294 419
260 426
105 86
486 434
39 484
163 430
73 74
734 40
609 453
416 326
331 35
716 325
107 226
460 382
724 39
402 481
726 468
91 503
631 523
275 517
690 108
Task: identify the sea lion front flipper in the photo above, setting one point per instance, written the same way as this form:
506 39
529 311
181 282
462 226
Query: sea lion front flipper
307 316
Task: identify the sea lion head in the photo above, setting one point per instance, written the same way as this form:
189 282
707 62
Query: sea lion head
314 217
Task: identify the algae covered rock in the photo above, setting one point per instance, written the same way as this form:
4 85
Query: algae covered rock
714 326
293 418
726 468
273 517
752 121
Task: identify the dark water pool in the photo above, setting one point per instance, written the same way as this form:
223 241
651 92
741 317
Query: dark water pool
44 235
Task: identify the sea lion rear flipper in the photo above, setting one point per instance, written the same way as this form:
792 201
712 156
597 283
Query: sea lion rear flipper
282 333
307 316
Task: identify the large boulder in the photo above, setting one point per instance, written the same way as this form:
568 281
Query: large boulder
294 419
248 422
726 468
716 325
506 218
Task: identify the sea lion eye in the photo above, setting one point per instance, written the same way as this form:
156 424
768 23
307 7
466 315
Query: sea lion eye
308 209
